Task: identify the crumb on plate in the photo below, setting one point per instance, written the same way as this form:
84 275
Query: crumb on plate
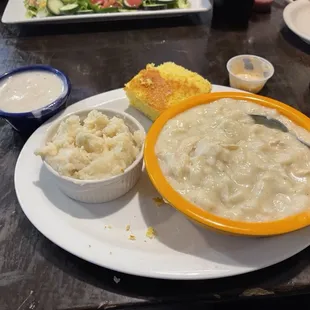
150 233
132 237
159 201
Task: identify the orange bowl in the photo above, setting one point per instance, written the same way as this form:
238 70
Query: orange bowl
207 219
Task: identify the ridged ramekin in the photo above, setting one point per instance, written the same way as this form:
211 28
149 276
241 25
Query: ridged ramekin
98 191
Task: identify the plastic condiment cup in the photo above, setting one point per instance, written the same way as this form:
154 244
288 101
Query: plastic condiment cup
249 72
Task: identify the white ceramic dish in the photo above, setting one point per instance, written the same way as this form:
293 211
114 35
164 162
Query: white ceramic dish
97 232
297 18
98 191
15 13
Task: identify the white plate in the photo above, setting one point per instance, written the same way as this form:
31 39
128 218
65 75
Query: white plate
297 18
181 250
15 13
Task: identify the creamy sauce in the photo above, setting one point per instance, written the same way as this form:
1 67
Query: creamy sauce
250 85
249 77
219 159
29 90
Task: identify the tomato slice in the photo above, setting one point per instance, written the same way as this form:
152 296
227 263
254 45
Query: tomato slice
104 6
133 3
102 3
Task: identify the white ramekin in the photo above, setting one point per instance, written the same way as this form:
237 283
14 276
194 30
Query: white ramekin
98 191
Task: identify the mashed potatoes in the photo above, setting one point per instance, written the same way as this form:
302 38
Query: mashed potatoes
219 159
94 149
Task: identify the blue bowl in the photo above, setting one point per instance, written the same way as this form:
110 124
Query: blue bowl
27 122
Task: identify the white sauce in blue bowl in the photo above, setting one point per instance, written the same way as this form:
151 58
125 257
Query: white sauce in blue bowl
29 90
31 95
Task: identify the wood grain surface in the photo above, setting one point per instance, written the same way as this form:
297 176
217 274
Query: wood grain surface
36 274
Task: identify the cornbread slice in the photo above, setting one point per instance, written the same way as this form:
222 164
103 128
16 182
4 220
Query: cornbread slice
155 89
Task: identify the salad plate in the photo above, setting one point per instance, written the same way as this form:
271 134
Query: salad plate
115 234
65 11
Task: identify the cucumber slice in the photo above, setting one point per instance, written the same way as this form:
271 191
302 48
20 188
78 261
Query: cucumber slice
110 9
168 2
69 9
126 10
85 11
182 4
54 6
171 4
68 1
154 6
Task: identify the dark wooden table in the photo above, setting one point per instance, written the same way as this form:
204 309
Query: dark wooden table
35 273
